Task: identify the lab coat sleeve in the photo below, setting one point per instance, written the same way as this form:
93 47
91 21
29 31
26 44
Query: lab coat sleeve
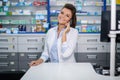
45 55
69 45
64 47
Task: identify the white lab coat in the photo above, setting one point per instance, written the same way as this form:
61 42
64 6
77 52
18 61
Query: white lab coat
68 55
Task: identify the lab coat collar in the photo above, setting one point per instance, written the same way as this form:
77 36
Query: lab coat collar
56 28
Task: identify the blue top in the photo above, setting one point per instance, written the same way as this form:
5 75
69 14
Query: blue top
54 52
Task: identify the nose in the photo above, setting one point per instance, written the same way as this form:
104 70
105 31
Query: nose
63 16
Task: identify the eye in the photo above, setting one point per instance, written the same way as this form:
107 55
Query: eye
62 13
67 15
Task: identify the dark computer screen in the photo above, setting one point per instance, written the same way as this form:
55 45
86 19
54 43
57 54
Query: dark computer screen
106 24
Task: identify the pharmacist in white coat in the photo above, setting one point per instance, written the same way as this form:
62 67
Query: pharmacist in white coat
61 40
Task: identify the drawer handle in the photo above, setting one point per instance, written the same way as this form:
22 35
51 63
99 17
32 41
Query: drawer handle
118 64
94 64
91 48
3 48
92 40
118 56
32 40
4 64
32 48
3 56
118 48
43 40
92 56
4 40
32 56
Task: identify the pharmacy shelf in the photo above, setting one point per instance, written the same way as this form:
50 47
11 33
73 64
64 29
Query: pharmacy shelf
89 32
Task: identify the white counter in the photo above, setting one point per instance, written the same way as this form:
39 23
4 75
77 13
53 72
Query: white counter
64 71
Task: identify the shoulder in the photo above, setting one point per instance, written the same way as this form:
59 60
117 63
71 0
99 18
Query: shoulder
73 30
51 30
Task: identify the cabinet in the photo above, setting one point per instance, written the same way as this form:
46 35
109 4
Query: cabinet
29 48
8 61
8 53
117 56
26 49
90 49
8 44
22 23
30 44
26 58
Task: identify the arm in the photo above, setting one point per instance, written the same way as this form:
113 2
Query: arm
44 55
69 45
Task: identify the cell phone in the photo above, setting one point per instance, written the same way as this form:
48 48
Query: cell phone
70 22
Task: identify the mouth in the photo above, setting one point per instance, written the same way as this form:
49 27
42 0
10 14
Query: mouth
61 20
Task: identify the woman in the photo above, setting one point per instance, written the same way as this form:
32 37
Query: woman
61 40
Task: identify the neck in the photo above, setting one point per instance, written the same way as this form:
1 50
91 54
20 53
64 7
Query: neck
60 27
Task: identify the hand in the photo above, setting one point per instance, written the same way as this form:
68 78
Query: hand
64 38
35 63
67 28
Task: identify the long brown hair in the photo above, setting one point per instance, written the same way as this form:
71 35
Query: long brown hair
73 10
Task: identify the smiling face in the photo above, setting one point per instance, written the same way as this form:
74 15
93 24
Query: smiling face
64 16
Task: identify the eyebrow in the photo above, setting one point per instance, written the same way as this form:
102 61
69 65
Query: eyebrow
67 14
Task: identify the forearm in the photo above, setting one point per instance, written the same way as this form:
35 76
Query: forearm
69 46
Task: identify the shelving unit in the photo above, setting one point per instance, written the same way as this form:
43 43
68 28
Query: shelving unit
23 25
24 16
30 16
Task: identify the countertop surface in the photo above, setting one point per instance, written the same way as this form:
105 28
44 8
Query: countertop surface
64 71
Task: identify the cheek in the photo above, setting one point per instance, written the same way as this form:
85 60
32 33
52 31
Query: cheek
58 17
68 19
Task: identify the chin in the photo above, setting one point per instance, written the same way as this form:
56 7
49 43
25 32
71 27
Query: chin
61 23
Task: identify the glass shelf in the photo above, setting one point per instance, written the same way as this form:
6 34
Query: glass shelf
31 32
78 14
87 15
76 6
89 32
88 24
25 33
30 14
21 6
78 23
19 24
117 4
110 4
28 6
